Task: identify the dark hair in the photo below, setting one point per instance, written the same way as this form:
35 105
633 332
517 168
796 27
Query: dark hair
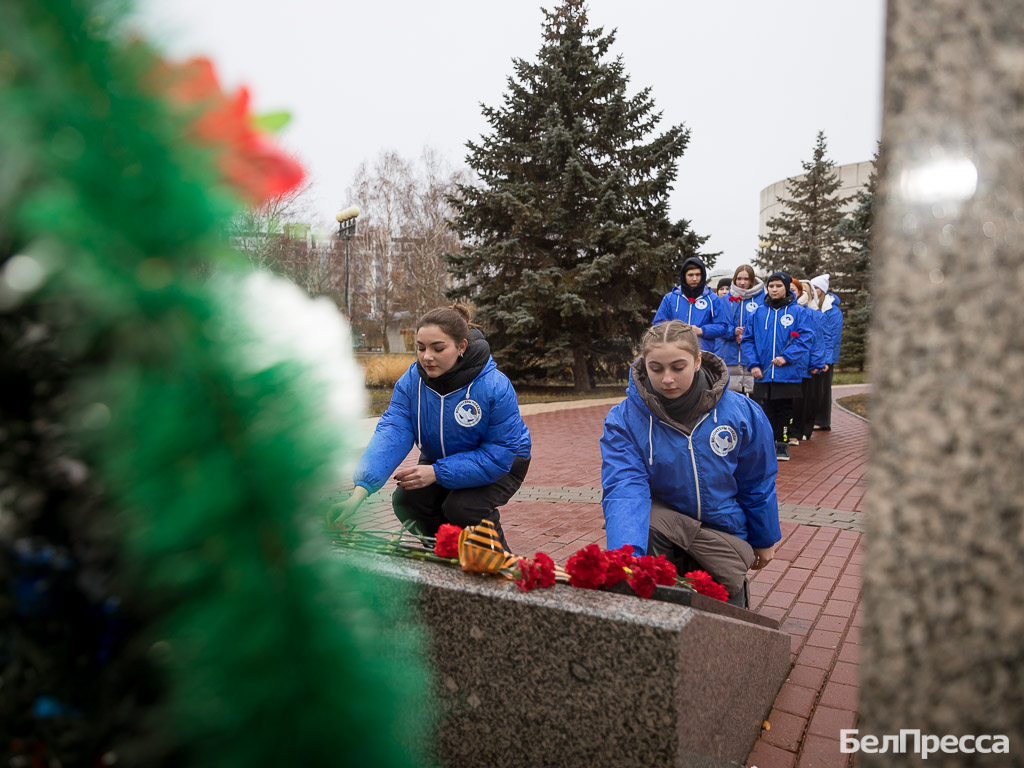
453 321
745 268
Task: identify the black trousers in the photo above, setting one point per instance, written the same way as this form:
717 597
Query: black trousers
780 414
435 505
823 394
805 407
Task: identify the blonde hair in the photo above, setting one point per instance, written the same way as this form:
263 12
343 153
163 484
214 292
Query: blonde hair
671 332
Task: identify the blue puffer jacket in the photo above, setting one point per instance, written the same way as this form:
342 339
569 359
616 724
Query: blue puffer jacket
770 334
704 311
832 327
471 435
737 313
817 359
722 474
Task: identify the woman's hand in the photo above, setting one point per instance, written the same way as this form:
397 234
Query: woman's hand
337 514
756 373
779 361
739 333
824 368
762 557
419 476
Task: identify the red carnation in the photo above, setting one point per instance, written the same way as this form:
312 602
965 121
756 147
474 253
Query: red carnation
619 561
692 301
643 579
665 572
588 567
539 572
794 334
544 568
703 583
447 542
523 575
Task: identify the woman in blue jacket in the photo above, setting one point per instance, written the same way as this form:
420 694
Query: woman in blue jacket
693 302
746 294
776 347
805 406
688 468
461 412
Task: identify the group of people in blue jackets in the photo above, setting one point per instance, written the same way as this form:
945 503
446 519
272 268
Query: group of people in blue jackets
780 340
689 458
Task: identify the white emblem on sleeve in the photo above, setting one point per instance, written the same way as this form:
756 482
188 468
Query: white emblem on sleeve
468 413
701 304
752 306
723 439
786 320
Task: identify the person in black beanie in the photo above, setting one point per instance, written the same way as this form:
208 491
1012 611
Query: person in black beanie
776 349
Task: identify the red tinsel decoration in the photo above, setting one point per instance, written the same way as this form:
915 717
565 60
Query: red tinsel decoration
250 162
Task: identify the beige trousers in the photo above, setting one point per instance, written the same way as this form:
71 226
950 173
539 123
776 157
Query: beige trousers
726 557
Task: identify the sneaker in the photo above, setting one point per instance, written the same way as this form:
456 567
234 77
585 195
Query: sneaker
805 438
822 429
794 441
782 451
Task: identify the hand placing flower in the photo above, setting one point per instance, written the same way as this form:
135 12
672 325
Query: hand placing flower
416 477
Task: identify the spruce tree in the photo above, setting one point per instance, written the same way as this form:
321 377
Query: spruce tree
568 245
804 238
853 282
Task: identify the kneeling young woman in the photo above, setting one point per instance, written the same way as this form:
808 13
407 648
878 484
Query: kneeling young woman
688 466
461 412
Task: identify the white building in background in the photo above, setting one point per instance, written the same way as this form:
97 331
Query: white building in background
852 178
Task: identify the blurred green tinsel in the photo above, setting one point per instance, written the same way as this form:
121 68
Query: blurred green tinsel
166 596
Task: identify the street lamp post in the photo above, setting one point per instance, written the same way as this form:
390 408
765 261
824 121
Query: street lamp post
346 230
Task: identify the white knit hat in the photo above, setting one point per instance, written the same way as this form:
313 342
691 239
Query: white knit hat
820 282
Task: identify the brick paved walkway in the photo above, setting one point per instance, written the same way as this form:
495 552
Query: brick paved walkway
813 587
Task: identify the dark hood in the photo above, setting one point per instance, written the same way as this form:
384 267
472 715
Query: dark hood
465 370
687 291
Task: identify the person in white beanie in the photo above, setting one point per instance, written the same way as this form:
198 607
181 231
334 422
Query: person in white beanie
832 331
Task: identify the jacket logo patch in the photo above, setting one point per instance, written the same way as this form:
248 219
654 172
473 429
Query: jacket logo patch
701 304
752 306
468 413
786 320
723 439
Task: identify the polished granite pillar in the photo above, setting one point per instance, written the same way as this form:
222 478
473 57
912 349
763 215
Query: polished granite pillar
944 574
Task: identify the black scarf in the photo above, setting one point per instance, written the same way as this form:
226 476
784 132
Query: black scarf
789 298
686 408
465 370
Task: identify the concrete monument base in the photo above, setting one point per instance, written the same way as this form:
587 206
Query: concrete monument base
574 677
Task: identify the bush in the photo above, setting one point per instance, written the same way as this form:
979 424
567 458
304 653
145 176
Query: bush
385 370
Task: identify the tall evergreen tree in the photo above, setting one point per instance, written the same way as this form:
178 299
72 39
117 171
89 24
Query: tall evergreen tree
569 246
853 282
804 238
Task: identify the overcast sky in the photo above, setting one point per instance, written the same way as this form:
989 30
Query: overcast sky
754 81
